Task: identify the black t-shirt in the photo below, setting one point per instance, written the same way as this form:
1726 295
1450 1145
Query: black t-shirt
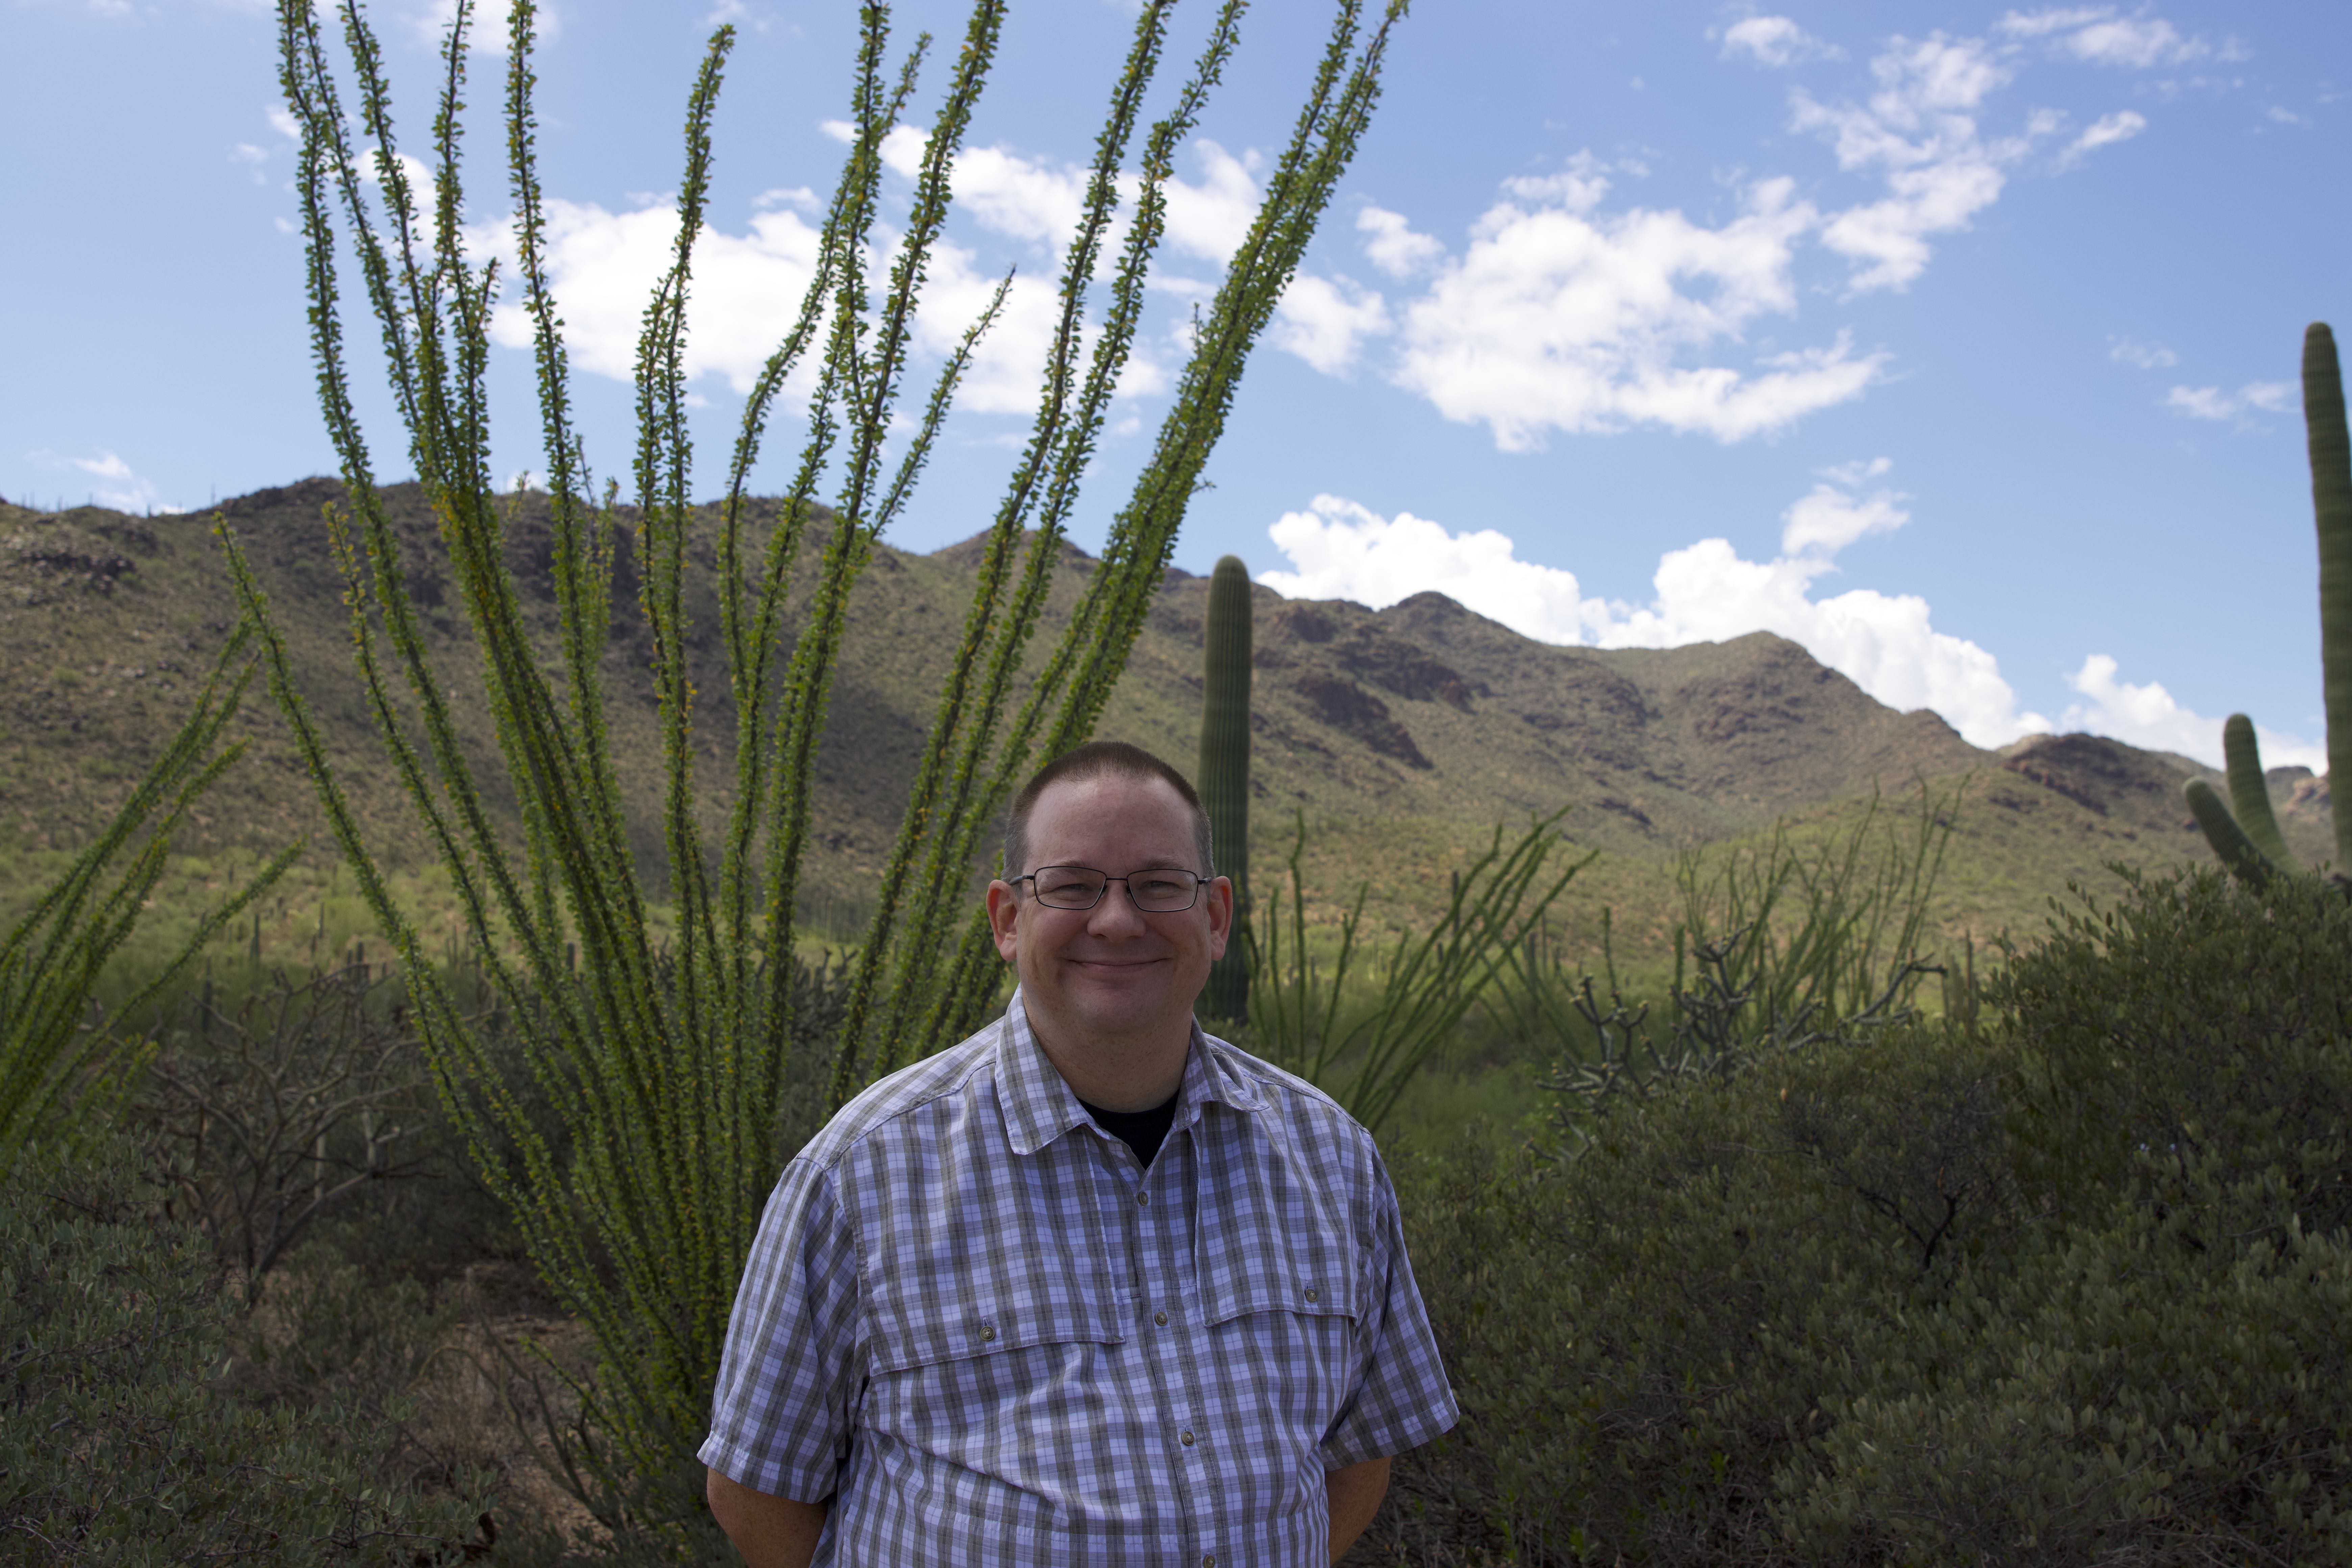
1141 1131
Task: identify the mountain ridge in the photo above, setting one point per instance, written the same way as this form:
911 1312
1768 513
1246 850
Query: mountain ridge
1421 725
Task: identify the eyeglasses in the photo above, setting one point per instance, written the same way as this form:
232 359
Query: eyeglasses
1162 890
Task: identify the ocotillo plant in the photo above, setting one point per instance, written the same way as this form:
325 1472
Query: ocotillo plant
50 960
1225 774
2249 841
665 1062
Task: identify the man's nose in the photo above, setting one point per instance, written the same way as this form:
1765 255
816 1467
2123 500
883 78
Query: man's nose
1115 912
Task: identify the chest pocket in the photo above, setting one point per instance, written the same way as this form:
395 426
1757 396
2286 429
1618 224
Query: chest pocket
1284 1308
969 1281
1310 1273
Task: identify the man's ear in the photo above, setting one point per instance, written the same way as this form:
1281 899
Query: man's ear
1220 896
1004 919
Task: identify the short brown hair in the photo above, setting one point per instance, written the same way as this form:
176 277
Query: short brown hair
1101 759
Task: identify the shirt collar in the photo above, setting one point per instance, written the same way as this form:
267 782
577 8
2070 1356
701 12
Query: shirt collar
1039 1106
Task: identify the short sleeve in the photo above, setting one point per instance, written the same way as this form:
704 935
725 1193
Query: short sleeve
786 1401
1402 1399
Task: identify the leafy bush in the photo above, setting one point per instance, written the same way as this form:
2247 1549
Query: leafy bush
119 1443
2071 1287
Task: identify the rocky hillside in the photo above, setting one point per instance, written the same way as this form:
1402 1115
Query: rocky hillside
1401 734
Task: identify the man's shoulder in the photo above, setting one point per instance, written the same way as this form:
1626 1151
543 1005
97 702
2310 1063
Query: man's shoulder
888 1104
1308 1112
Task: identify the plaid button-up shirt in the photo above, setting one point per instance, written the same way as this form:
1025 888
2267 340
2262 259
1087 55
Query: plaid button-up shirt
975 1322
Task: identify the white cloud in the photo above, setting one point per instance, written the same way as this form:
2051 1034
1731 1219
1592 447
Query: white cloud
1392 245
1210 220
1919 131
1560 318
1775 41
108 481
2139 356
2108 130
283 122
1325 320
602 266
1884 643
2212 402
2095 35
1339 549
485 29
1834 517
747 288
2149 716
2041 24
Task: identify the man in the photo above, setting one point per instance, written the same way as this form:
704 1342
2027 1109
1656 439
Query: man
1091 1287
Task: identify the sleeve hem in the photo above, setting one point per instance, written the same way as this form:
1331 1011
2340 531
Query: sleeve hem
739 1465
1387 1442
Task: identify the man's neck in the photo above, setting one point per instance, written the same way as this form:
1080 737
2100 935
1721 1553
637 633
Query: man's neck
1117 1075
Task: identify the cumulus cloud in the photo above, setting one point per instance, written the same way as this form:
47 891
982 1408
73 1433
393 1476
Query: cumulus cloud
1395 247
1886 642
2106 131
748 287
1775 41
486 30
1919 132
1566 312
2095 35
2212 402
108 480
1559 317
2139 356
1325 320
1834 516
602 266
2150 715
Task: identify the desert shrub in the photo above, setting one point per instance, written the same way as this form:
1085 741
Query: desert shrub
121 1443
2067 1287
2197 1020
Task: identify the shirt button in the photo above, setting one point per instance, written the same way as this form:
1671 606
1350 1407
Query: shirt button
1185 1437
1143 1198
1313 1294
1208 1560
1161 1318
987 1333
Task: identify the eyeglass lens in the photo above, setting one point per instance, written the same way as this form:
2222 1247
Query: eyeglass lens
1158 892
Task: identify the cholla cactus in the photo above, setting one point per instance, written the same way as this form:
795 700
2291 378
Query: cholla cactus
2248 840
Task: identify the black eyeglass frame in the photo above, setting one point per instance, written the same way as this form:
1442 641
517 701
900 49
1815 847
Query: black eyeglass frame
1199 882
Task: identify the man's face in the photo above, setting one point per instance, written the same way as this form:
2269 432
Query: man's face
1110 974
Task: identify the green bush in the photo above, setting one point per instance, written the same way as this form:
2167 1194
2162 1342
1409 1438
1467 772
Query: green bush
2069 1288
120 1443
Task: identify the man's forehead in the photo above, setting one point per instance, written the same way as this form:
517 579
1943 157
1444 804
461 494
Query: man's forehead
1146 814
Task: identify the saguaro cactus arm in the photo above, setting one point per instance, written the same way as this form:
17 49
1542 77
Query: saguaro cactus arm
2221 831
2331 505
1224 770
2250 842
2250 792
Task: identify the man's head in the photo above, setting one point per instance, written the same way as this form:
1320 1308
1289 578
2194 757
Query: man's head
1109 990
1098 758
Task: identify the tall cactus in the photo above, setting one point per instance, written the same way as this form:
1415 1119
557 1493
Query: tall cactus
1225 766
2249 842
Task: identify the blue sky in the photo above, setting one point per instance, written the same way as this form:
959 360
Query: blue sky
1959 342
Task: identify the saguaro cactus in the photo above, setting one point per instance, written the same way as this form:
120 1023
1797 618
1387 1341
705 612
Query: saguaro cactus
1224 769
2249 841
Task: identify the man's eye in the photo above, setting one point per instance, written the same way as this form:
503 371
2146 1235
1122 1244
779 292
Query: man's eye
1056 883
1157 887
